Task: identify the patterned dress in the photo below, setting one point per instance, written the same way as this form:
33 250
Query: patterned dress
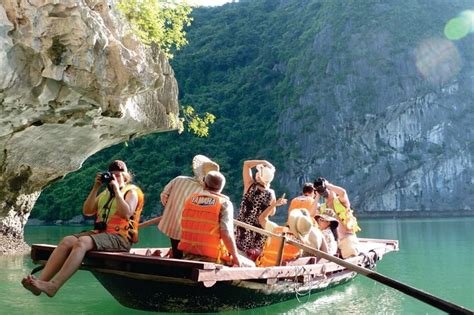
254 202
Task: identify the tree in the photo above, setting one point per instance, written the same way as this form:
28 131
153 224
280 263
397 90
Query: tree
159 22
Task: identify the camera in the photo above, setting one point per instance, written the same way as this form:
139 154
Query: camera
319 182
320 187
106 177
101 226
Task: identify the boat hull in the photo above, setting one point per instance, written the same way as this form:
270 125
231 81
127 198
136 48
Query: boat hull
169 295
147 280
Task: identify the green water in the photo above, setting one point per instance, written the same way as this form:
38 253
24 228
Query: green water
436 255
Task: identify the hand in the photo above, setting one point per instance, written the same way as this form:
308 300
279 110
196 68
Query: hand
235 261
268 164
164 198
281 201
98 179
114 185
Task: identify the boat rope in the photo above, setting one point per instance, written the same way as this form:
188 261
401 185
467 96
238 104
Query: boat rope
36 269
368 261
301 271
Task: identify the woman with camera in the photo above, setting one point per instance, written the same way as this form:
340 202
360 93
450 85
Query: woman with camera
336 198
117 209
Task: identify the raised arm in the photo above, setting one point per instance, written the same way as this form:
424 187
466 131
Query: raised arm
270 210
341 192
90 206
247 171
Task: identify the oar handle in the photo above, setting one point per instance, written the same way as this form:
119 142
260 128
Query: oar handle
150 222
411 291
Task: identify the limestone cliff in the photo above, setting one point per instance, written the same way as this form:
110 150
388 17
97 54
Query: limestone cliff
388 107
73 81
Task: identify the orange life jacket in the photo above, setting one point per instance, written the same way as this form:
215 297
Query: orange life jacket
269 255
305 202
116 224
200 227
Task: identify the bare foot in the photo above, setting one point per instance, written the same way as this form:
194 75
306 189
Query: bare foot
26 282
47 287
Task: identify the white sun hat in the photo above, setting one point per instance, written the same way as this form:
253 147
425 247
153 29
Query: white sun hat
203 165
266 174
300 222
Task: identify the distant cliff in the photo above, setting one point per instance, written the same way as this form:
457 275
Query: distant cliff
369 94
73 81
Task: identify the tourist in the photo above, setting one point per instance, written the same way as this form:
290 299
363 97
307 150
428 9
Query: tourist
302 224
336 198
269 254
207 225
117 210
257 196
175 193
328 223
305 201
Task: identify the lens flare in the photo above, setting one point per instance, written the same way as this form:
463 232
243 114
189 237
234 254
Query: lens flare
437 60
469 16
457 28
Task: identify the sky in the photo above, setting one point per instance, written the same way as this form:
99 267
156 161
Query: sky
208 2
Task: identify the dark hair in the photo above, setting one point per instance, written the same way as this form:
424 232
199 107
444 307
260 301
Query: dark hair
319 182
333 228
308 188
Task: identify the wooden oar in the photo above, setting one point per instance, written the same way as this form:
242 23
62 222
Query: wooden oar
411 291
150 222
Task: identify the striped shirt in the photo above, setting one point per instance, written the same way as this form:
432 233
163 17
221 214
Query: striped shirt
178 190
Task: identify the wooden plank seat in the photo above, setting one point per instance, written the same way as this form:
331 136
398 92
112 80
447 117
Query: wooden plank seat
41 252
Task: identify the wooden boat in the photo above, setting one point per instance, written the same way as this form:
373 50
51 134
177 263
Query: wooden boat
141 280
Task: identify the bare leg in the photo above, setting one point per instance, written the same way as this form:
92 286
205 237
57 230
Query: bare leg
58 257
70 266
54 263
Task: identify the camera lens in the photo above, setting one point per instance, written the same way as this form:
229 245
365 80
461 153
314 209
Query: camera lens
106 177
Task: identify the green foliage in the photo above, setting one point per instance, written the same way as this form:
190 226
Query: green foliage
197 124
160 22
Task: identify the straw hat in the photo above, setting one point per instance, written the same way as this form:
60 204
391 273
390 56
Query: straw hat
203 165
329 215
300 222
266 173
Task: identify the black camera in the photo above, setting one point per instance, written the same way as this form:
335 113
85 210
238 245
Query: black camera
106 177
320 189
319 182
101 226
320 186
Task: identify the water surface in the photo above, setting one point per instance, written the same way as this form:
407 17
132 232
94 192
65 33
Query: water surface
436 255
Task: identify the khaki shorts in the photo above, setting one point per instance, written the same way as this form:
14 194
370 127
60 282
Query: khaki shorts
107 242
349 246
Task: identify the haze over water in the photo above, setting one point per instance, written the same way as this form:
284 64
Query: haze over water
436 255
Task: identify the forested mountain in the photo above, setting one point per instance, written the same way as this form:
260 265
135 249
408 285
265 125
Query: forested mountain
369 94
